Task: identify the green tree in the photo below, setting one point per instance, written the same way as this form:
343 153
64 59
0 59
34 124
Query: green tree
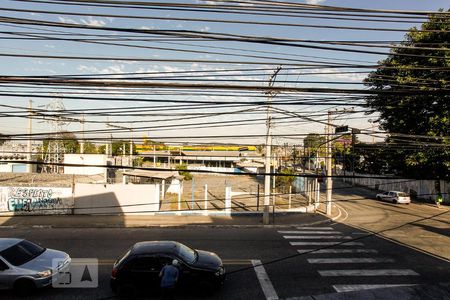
419 64
182 169
90 148
118 147
312 141
68 140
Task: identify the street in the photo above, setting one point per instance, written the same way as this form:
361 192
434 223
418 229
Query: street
346 257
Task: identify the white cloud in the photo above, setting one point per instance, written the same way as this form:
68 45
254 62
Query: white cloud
353 77
113 69
67 20
205 29
90 21
315 2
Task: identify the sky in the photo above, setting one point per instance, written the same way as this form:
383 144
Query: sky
165 119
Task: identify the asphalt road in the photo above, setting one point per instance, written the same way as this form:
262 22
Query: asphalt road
410 254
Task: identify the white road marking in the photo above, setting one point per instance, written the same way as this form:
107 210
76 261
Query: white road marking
315 228
264 280
349 260
367 272
319 237
308 232
338 251
326 243
357 287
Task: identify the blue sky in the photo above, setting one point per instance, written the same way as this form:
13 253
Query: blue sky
47 67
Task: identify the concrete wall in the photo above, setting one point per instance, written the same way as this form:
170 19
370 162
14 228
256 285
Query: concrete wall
213 169
15 167
116 199
85 159
174 186
35 200
424 189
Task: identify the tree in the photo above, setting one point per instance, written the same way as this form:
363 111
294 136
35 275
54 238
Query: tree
420 63
341 148
3 139
67 140
90 148
312 141
183 170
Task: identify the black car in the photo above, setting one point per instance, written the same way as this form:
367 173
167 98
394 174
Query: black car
138 270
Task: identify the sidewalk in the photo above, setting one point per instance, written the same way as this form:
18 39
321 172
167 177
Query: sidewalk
165 220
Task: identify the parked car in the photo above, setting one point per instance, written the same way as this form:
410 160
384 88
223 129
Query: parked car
137 271
25 266
394 197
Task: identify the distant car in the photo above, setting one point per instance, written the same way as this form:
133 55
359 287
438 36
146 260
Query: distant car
137 271
25 266
394 197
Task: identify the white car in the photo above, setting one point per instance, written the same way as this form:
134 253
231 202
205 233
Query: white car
25 266
394 197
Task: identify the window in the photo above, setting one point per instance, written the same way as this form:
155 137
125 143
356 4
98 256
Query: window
187 254
22 252
164 260
3 266
119 261
402 194
146 263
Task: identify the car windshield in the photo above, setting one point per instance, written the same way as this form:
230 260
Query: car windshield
402 195
187 254
22 252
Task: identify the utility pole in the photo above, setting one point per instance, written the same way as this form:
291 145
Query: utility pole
267 162
329 129
328 164
82 136
131 145
30 131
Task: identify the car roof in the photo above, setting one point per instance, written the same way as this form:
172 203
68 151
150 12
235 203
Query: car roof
151 247
5 243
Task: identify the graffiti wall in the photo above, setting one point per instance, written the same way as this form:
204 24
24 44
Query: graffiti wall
35 200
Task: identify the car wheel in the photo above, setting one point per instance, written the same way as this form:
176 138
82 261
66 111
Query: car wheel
127 291
394 201
379 198
205 288
24 287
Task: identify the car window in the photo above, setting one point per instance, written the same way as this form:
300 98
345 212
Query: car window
391 194
22 252
3 266
402 195
165 260
120 260
187 254
146 263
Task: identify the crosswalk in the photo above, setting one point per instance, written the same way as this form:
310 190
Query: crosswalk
339 259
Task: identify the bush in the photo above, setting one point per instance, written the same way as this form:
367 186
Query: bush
182 169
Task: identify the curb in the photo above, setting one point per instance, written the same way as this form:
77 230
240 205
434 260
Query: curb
167 226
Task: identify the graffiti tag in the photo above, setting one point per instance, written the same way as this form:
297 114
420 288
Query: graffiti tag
31 199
